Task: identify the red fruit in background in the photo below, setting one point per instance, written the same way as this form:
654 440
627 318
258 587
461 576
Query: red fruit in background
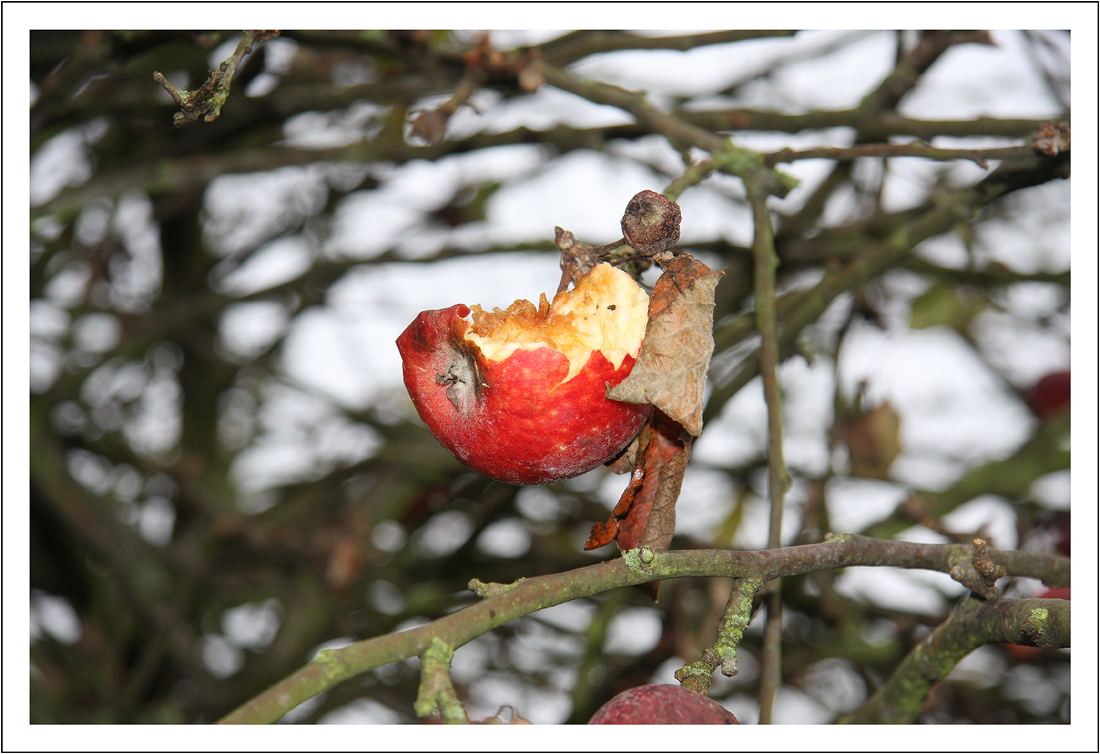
1063 541
519 395
659 704
1061 593
1049 395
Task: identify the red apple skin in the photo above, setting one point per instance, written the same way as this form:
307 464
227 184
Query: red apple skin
511 419
659 704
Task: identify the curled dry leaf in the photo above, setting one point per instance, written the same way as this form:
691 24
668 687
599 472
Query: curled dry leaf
873 441
679 341
646 512
670 374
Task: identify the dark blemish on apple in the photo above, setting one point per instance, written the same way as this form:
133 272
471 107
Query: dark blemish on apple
463 380
611 307
421 341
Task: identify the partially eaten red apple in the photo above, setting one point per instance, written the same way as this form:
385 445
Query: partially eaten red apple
519 394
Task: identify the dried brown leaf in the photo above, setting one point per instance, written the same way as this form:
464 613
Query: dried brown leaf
873 441
672 367
646 512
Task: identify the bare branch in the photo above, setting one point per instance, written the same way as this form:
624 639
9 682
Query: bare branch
975 622
533 594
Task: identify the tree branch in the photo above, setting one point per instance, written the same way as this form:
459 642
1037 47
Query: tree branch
571 47
680 133
916 149
889 124
1035 622
697 675
206 101
765 263
904 234
530 595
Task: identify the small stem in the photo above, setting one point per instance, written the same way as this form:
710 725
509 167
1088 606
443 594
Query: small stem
437 691
771 675
177 94
765 262
607 248
697 675
690 177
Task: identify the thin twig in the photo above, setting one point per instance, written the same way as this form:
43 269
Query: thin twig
681 134
765 263
579 44
889 124
980 157
697 675
206 102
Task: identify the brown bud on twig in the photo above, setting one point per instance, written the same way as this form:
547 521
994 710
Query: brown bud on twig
651 223
1052 138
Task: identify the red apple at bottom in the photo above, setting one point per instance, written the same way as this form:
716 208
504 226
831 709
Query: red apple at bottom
659 704
519 395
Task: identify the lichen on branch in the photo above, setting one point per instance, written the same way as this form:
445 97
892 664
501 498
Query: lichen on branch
206 102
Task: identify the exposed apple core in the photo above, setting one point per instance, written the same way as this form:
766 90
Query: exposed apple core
607 311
